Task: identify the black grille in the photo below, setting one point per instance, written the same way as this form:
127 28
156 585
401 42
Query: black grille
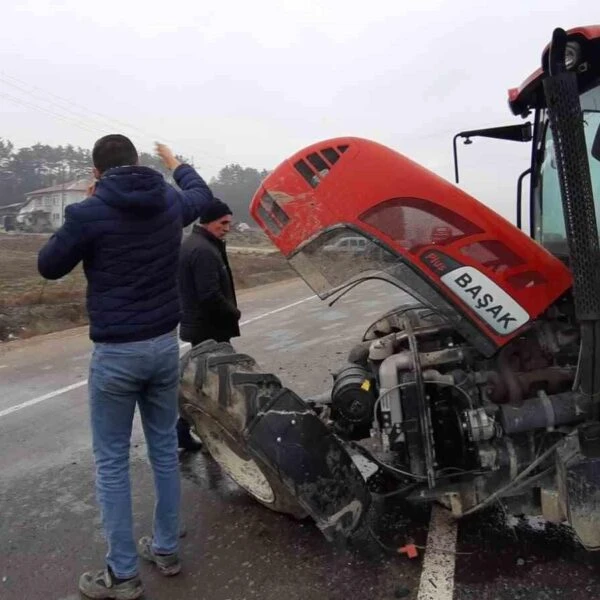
315 167
317 162
272 206
330 154
307 173
268 220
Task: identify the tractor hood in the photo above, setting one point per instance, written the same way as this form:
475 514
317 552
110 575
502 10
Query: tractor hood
348 208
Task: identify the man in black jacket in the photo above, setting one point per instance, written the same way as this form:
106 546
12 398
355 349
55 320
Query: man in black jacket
206 286
206 289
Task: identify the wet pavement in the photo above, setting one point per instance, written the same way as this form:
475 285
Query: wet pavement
235 549
507 558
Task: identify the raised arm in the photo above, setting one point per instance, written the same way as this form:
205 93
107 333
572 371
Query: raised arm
194 193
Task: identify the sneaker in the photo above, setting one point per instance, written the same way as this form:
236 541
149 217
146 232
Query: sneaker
168 564
104 585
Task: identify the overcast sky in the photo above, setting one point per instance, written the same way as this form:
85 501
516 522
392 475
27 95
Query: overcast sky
253 82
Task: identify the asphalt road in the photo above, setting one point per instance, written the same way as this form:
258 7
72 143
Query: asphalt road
235 549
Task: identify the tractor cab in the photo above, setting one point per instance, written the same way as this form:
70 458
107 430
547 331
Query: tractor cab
547 219
547 223
546 214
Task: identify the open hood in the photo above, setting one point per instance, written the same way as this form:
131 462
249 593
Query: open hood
349 208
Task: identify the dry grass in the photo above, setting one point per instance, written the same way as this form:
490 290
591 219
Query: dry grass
30 305
20 283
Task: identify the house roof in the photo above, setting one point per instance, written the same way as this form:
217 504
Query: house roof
78 185
11 206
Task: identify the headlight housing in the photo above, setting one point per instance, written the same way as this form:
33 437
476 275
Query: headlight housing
572 55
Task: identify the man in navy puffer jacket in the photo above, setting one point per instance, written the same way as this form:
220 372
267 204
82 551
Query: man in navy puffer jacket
128 234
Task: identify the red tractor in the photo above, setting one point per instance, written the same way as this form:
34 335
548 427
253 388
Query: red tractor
485 386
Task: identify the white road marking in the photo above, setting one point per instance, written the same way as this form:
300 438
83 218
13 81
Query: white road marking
277 310
3 366
437 576
74 386
17 407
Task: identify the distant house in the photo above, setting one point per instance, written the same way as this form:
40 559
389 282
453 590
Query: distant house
45 209
8 215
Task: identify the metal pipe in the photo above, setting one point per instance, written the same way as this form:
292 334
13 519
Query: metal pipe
520 196
545 412
455 156
388 383
572 164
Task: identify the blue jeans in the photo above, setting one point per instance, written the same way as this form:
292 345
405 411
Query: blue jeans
145 373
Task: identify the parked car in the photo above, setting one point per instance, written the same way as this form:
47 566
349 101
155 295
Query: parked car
347 245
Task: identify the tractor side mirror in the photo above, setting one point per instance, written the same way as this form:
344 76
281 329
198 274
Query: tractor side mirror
512 133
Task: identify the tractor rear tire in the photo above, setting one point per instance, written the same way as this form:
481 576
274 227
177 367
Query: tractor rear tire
220 393
227 448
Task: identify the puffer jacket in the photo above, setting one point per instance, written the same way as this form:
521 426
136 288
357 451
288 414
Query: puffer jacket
128 235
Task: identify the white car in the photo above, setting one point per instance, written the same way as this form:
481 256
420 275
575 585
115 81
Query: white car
347 244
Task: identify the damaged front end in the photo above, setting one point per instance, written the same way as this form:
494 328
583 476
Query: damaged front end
483 388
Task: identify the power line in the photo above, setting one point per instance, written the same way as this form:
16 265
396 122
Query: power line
21 102
101 126
106 120
10 79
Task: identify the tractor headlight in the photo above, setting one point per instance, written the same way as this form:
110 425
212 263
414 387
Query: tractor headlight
572 55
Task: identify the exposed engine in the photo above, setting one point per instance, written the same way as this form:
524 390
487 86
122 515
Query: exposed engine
445 414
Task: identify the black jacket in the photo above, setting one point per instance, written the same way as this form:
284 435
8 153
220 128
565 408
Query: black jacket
206 290
128 235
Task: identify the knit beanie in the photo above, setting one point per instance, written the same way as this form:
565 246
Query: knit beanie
216 209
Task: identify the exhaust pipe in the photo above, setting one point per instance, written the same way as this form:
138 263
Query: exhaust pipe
566 121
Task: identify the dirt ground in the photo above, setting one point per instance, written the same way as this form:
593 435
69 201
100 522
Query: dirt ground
29 305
